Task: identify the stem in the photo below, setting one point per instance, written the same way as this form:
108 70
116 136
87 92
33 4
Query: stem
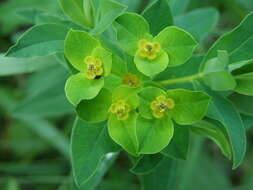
182 79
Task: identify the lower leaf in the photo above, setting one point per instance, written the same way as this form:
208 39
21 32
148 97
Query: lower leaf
154 134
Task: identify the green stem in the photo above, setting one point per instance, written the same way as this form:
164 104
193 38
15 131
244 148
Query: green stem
187 79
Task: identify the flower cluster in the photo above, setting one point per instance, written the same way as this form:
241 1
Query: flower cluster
110 87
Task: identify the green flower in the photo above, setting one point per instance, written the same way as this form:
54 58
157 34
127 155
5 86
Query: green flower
160 105
121 109
93 62
153 54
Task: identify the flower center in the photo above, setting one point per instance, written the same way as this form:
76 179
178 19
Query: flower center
131 80
148 50
121 109
160 105
94 67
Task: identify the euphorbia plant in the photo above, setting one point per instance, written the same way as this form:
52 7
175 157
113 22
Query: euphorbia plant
138 84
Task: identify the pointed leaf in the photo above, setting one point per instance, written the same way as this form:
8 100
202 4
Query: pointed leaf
90 143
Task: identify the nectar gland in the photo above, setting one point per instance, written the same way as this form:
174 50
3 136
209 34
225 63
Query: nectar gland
148 50
160 105
131 80
94 67
121 109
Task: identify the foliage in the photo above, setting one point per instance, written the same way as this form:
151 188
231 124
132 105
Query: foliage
139 83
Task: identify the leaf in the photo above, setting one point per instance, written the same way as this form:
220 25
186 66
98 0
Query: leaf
237 46
190 106
199 29
179 7
14 66
79 88
103 166
216 74
127 94
123 132
109 10
79 11
97 109
146 164
243 103
222 110
158 9
32 43
177 43
220 81
153 135
152 67
244 84
90 143
179 144
11 21
163 177
78 45
213 130
130 28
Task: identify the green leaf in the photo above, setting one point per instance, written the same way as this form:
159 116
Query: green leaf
79 88
32 43
216 74
199 29
90 144
97 109
130 28
243 103
163 177
236 44
102 168
147 95
177 43
79 11
179 144
146 164
152 67
107 12
222 110
244 84
158 9
190 106
220 81
213 130
14 66
123 132
127 94
179 7
153 134
78 45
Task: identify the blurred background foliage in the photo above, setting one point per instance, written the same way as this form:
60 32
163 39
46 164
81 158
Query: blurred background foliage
36 119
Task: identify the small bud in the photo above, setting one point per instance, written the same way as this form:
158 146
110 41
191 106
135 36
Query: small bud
148 50
131 80
94 67
120 109
160 105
